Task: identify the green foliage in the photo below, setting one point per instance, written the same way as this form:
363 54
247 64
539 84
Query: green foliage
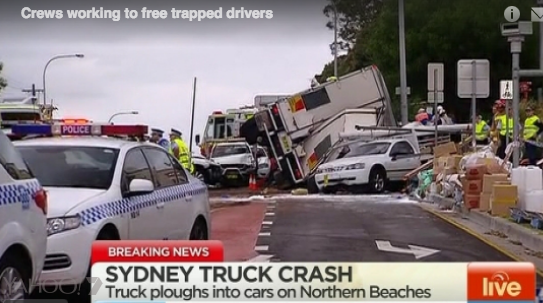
3 81
436 31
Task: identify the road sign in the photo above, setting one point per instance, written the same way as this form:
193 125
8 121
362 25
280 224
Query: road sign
465 71
435 84
418 251
398 90
431 97
506 89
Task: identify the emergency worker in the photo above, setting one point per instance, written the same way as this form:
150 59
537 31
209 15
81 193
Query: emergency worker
532 129
180 150
481 131
157 137
497 110
422 116
505 130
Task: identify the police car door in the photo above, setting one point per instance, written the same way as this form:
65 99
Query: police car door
142 216
169 194
183 212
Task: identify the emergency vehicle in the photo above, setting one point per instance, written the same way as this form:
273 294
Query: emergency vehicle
23 237
104 188
19 111
301 129
224 127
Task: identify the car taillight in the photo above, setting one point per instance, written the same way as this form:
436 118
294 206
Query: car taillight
40 197
275 110
298 174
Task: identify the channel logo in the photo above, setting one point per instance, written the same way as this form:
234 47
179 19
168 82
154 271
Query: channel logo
501 281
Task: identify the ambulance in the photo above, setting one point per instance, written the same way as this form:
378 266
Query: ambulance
224 127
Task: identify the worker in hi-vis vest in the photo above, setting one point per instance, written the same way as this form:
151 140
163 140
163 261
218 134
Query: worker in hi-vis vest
180 150
505 130
532 129
481 131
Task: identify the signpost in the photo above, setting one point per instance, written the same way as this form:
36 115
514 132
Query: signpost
473 82
435 90
506 93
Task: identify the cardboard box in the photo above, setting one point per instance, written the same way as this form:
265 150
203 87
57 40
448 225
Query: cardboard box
501 207
445 150
475 172
471 201
472 187
456 159
504 192
490 180
484 202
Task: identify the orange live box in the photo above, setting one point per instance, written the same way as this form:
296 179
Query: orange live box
501 282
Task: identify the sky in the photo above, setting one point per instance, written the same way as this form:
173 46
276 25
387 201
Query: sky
148 65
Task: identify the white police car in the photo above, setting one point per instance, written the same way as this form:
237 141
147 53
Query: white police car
23 239
108 189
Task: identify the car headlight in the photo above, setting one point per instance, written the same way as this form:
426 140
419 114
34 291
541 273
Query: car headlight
58 225
355 166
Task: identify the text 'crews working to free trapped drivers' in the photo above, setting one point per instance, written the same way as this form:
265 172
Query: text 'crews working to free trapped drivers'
145 13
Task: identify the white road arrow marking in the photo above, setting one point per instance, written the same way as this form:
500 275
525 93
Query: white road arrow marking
418 251
261 259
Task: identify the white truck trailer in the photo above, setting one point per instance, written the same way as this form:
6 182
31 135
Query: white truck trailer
302 128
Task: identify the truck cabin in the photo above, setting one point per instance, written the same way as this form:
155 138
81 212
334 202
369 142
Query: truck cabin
219 126
10 116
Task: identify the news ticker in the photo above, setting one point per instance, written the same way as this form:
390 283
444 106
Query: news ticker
179 271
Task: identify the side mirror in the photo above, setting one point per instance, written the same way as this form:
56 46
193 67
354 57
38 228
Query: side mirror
393 156
197 139
140 187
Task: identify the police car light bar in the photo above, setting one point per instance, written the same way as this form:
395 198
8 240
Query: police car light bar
80 130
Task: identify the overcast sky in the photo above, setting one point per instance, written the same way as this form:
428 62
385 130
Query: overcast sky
149 65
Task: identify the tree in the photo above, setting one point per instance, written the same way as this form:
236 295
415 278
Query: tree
3 81
442 31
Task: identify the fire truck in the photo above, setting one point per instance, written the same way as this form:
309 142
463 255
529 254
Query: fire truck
224 127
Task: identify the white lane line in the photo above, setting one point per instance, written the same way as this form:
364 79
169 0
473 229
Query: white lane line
267 222
270 214
261 248
264 234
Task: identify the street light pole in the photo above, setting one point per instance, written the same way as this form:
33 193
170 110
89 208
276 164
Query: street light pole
134 112
403 72
335 40
47 65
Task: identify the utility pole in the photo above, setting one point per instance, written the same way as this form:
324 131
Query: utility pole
335 40
33 91
403 69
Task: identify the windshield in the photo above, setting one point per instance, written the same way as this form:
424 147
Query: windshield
20 116
229 150
71 166
367 149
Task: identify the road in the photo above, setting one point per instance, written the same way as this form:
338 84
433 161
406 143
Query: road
357 229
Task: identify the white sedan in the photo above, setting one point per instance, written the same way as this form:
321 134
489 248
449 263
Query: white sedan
368 166
109 189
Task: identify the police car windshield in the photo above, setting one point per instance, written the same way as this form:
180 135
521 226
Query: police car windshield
71 166
367 149
229 150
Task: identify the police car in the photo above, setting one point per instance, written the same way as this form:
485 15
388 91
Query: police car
103 188
23 239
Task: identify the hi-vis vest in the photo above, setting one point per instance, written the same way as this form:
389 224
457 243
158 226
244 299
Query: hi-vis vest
507 124
184 156
530 129
480 133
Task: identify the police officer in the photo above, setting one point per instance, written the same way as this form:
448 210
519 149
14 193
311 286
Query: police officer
157 137
180 150
532 129
481 131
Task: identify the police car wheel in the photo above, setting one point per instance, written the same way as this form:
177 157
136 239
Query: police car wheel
14 278
199 230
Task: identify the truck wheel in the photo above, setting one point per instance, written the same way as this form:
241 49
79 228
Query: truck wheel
377 180
200 176
312 187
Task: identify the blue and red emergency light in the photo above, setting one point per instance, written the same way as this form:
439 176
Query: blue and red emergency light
79 130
